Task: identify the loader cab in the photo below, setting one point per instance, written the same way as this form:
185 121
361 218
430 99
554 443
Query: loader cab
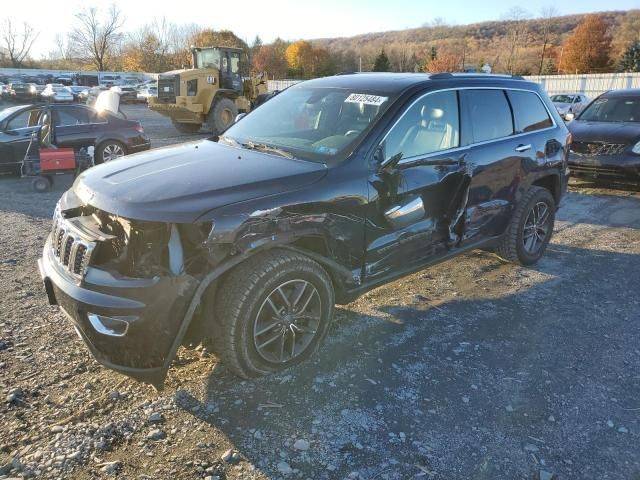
226 60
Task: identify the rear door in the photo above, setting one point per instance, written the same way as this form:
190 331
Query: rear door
72 126
506 128
496 159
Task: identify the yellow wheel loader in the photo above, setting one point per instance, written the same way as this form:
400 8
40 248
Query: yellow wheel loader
210 94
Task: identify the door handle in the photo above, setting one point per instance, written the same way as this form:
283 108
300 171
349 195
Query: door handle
523 148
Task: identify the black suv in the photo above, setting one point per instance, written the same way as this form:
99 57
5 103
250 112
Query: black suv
333 187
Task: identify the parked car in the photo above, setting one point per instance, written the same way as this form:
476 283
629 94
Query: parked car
569 103
76 91
147 92
21 92
56 93
73 126
127 94
92 94
606 138
333 187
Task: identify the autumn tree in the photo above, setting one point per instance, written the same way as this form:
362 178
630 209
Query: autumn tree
547 15
299 56
588 49
444 62
268 59
95 36
382 64
17 40
630 61
517 30
628 32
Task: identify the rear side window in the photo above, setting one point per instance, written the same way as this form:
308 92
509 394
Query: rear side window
489 114
529 111
71 116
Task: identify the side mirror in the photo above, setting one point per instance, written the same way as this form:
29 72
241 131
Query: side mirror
240 116
569 116
385 163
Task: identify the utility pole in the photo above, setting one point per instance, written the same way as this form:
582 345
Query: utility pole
360 65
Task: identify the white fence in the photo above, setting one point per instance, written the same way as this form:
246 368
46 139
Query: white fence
280 84
591 85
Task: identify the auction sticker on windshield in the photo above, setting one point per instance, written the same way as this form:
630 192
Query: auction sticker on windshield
366 99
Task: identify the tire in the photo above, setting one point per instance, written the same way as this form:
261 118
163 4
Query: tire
41 184
247 301
189 128
222 115
515 242
109 150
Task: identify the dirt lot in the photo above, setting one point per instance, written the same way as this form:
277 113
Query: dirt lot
474 369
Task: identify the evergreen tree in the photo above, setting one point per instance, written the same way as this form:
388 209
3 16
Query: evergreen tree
382 63
630 61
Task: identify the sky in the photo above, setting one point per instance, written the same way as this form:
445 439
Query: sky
287 19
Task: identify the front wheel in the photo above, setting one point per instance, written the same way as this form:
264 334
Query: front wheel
222 115
273 312
530 229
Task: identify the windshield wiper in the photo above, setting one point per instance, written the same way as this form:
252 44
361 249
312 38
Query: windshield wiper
263 147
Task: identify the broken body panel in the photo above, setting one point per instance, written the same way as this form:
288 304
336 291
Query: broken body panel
181 217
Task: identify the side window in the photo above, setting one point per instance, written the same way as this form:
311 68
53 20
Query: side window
192 87
529 111
21 120
71 116
489 114
430 125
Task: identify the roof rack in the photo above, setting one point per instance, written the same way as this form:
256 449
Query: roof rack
436 76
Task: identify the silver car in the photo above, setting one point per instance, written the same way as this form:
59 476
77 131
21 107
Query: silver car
567 103
57 93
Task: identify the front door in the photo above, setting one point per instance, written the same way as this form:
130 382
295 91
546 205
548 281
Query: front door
15 137
418 184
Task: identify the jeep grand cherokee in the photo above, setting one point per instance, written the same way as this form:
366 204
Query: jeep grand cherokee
331 188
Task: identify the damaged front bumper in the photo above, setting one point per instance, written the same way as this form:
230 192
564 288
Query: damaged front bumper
130 325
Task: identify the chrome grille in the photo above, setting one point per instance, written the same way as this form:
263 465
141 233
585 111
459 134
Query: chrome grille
69 248
597 148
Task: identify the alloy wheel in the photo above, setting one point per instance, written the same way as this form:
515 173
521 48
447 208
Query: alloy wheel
536 227
111 152
287 321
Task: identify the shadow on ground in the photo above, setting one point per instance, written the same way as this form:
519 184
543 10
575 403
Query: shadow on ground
497 387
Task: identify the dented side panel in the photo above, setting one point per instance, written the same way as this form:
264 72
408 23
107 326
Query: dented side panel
440 185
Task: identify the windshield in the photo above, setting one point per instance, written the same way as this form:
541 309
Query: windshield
317 124
209 58
7 112
613 109
562 98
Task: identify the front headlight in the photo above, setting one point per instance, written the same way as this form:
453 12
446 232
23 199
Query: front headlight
636 148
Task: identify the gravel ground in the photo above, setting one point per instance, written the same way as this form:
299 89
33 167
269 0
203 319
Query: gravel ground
473 369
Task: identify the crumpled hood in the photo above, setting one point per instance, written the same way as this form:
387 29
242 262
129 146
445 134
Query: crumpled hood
181 183
610 132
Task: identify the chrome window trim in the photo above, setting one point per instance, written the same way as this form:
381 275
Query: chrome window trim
413 158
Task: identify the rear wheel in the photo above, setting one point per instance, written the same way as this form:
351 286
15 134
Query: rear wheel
530 229
189 128
109 150
273 312
222 115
